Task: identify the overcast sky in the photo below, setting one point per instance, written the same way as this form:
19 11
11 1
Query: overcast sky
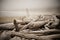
17 6
22 4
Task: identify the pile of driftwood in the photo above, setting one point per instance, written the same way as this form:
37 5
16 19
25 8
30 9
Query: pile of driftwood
42 28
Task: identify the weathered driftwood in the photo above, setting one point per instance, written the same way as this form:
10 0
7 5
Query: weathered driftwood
45 32
16 25
38 24
51 37
32 36
53 23
5 35
27 35
7 26
30 25
34 25
19 22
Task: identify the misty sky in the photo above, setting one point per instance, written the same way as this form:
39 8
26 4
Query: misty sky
18 7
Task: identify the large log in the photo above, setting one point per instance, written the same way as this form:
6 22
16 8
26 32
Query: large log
23 35
8 35
32 36
34 25
7 26
51 37
43 34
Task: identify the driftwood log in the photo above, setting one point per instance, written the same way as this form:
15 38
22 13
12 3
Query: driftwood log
32 34
7 26
45 32
34 25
